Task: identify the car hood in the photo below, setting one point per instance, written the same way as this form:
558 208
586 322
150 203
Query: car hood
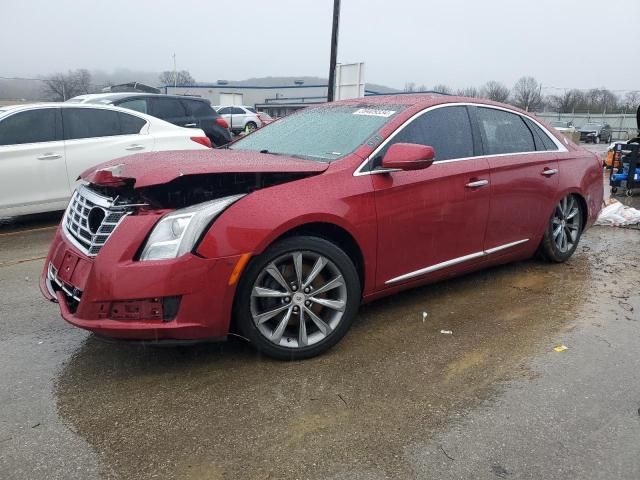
595 129
147 169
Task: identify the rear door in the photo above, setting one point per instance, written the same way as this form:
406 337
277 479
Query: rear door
32 162
432 220
524 180
93 136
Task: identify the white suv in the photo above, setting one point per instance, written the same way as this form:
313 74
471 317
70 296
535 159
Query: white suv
239 117
44 147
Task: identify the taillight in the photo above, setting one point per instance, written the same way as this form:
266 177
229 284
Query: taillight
202 141
222 122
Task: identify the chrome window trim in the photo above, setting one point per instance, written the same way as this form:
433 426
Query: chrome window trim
358 172
453 261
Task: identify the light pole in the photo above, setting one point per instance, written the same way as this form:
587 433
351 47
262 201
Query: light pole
334 50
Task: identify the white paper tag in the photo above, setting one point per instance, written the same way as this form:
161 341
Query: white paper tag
372 112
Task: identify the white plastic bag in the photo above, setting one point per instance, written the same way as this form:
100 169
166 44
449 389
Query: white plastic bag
617 214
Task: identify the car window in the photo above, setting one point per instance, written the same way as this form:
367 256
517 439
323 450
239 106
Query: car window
138 104
89 123
168 108
198 108
225 111
237 111
447 130
542 140
252 110
33 126
130 124
504 132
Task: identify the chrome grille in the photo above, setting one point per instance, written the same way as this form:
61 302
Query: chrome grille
90 219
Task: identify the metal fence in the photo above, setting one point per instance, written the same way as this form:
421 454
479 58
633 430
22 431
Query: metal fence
623 126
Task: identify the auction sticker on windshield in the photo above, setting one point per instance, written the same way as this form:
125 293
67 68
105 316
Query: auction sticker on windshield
374 112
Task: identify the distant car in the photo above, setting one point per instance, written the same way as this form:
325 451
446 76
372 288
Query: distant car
45 147
595 132
190 112
240 117
562 126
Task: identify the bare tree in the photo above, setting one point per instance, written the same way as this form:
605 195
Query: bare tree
468 92
632 100
182 77
569 101
526 93
495 91
409 86
442 88
62 86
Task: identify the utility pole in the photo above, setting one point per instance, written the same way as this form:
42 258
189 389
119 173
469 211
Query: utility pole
175 72
334 50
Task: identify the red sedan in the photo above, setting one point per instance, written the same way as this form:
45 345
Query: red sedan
282 235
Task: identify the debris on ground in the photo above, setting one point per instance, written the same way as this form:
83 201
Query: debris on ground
424 316
618 215
561 348
446 332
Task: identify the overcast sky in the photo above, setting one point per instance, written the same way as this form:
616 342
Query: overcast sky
568 43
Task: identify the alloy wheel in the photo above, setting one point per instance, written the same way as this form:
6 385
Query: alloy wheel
566 224
298 299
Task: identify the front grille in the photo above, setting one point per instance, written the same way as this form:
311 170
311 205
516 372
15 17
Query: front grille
90 219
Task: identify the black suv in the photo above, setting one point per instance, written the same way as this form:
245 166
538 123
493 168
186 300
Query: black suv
183 111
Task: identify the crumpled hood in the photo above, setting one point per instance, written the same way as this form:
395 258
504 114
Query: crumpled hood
147 169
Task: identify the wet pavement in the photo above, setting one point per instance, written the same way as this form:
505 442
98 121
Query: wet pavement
395 399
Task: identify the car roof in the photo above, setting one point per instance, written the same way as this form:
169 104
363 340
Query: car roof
110 97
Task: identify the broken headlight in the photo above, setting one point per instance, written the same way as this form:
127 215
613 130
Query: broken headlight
178 232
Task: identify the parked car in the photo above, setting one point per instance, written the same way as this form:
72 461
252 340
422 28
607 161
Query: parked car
292 227
44 147
190 112
240 117
595 132
562 126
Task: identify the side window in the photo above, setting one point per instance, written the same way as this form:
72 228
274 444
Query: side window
504 132
168 108
33 126
89 123
199 109
252 110
225 111
446 129
130 124
138 105
543 142
237 111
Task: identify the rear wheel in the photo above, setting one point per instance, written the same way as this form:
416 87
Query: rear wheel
563 231
298 298
250 127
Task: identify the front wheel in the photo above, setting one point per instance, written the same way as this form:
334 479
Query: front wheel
298 298
563 230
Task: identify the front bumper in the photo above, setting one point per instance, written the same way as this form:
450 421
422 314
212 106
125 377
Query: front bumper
188 298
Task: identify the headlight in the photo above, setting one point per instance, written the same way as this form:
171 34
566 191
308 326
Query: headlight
177 232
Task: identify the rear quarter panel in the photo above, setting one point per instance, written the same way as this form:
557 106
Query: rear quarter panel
581 173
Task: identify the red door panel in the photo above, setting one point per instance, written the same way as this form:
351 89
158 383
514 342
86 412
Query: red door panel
427 217
523 194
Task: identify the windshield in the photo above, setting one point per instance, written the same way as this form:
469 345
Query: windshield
323 133
558 124
592 126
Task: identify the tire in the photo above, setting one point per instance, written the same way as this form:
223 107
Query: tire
596 139
614 190
565 224
250 127
288 282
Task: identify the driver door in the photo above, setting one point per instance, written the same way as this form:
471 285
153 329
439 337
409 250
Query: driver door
433 220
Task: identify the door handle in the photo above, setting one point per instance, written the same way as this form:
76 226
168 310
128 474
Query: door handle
549 171
477 184
135 146
49 156
189 125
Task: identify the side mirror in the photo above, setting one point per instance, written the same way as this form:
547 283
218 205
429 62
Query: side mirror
408 156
